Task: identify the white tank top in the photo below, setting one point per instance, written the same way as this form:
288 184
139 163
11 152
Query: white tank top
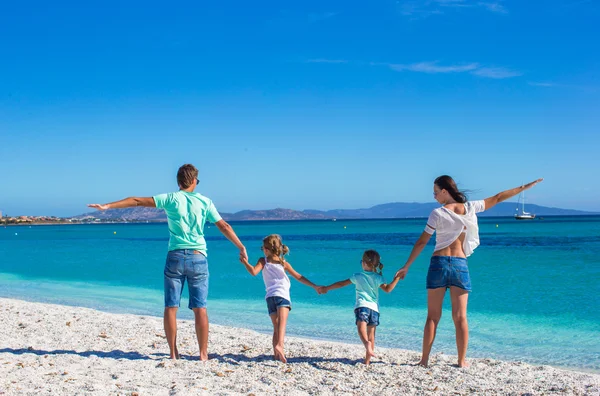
276 280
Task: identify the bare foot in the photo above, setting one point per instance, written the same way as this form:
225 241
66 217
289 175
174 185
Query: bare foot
175 354
423 363
280 355
370 353
203 356
464 364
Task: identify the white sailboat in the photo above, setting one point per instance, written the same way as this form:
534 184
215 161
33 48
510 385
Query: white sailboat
523 215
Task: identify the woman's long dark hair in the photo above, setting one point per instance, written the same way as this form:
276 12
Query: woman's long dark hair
447 183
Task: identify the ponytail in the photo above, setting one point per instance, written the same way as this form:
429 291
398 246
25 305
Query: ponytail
274 244
284 250
373 259
445 182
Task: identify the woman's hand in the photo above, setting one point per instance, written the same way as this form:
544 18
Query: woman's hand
243 254
533 183
401 272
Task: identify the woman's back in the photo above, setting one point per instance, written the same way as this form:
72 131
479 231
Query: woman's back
455 224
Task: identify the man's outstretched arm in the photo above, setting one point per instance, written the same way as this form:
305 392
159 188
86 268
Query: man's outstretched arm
126 203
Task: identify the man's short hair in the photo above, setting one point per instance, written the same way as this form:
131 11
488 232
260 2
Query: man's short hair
186 175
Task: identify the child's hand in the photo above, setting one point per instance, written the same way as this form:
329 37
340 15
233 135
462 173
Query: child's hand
401 273
244 260
321 289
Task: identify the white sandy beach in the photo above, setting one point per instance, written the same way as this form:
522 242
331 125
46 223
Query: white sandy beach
67 350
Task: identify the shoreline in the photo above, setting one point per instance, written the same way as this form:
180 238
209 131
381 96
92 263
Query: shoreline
71 350
290 333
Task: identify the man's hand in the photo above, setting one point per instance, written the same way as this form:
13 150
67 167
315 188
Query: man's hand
321 289
99 206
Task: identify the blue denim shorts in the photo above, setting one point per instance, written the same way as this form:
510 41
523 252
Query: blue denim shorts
277 302
181 265
446 271
368 315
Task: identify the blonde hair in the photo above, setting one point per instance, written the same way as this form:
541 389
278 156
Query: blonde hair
373 260
274 244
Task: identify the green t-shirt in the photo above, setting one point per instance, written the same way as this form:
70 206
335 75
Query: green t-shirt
367 289
186 214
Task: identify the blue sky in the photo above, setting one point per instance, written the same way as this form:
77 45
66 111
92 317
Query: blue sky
303 105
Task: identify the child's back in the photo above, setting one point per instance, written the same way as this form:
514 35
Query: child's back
367 289
276 280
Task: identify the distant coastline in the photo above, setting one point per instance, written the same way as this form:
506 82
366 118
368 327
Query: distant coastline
65 222
395 210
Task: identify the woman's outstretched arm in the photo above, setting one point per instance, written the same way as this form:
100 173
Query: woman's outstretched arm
504 195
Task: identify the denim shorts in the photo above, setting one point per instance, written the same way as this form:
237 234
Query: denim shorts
275 302
368 315
446 271
181 265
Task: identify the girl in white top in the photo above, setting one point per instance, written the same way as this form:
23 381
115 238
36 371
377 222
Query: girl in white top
277 283
457 236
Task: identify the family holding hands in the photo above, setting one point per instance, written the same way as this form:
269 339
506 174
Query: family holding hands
457 236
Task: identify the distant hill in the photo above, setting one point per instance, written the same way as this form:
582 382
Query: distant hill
129 214
384 211
274 214
414 209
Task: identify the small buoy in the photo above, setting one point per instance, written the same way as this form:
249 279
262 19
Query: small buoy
344 226
115 233
496 225
16 233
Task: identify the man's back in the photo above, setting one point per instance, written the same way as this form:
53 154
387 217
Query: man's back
186 214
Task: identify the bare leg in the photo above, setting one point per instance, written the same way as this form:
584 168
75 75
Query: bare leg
435 298
201 322
371 332
459 298
364 338
282 315
170 323
275 322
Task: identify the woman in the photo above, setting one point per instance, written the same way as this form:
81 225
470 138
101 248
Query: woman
457 236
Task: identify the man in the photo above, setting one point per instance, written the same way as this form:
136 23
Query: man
187 211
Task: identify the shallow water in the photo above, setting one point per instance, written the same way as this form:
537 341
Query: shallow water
535 283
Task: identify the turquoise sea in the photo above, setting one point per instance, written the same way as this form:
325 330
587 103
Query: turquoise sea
536 293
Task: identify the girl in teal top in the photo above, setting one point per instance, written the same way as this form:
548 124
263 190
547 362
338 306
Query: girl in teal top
366 309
